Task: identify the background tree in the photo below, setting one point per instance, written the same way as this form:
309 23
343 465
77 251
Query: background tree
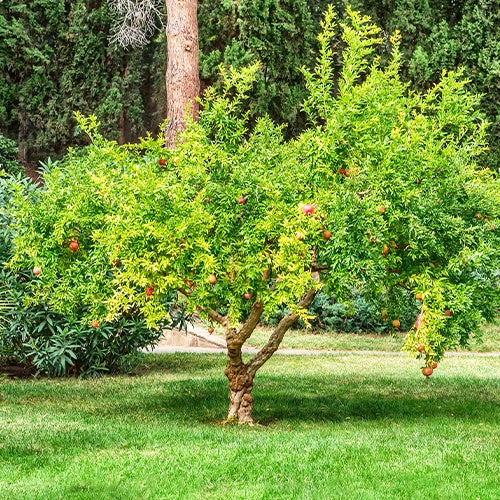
126 89
135 23
56 58
383 193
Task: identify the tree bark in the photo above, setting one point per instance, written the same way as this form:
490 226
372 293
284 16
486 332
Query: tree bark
239 377
22 133
182 78
240 393
279 332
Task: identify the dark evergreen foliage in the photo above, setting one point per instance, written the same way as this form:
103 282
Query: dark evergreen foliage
57 59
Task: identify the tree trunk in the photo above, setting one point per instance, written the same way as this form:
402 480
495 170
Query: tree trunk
22 133
182 78
240 393
241 375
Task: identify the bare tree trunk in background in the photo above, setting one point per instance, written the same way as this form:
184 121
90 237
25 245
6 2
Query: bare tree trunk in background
22 133
182 78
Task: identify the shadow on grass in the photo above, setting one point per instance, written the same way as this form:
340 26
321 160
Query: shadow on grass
364 400
315 398
311 400
200 395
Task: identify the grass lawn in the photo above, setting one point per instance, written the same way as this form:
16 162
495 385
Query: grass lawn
332 426
305 339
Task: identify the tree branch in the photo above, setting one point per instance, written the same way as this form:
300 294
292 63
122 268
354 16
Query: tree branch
317 267
279 332
219 318
249 326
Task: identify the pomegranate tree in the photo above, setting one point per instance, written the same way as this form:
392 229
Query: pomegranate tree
401 218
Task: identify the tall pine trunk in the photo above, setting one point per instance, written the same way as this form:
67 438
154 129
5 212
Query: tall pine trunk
182 78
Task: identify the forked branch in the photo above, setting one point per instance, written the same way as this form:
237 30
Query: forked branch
279 332
249 326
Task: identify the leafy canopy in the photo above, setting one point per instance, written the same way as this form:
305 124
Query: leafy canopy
391 174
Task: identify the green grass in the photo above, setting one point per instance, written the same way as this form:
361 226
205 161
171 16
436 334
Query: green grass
332 426
304 339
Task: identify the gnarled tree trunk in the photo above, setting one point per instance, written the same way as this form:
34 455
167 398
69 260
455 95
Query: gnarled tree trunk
240 375
240 393
182 78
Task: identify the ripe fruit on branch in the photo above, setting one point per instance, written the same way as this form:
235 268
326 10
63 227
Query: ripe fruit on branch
116 263
73 246
419 321
307 209
327 234
434 365
419 297
149 291
381 209
300 236
447 312
421 348
342 171
247 295
161 161
212 279
36 271
427 371
396 323
241 200
210 330
95 323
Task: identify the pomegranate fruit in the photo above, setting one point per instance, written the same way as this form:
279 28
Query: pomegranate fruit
308 209
74 246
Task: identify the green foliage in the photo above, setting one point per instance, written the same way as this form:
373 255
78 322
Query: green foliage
57 59
435 35
33 333
355 316
280 35
467 36
36 335
393 175
8 157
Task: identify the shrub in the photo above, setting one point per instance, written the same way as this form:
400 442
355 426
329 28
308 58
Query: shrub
34 334
55 345
356 315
